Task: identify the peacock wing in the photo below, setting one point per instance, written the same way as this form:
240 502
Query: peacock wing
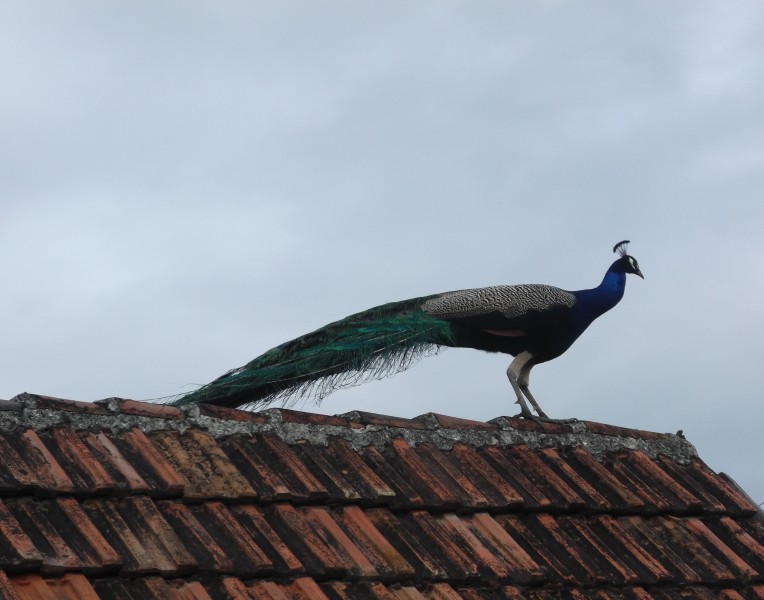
501 306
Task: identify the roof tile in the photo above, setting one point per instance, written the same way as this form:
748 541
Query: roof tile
499 491
231 414
150 463
15 474
47 521
7 591
16 548
370 486
123 476
513 473
387 561
619 496
402 536
405 494
720 488
86 472
51 477
424 475
146 409
654 486
315 548
259 529
72 586
144 540
207 471
47 402
296 506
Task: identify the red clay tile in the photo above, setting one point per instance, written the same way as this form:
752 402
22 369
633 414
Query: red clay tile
720 488
573 480
387 561
7 591
71 586
249 560
314 547
683 475
262 533
15 474
231 414
123 475
51 477
371 487
150 464
339 489
46 522
674 532
367 418
554 487
147 409
447 422
523 424
422 474
622 545
305 588
265 478
442 543
208 472
750 548
306 418
143 539
405 494
84 470
201 543
403 536
360 564
649 535
49 403
442 591
742 570
653 484
485 534
624 432
619 497
469 495
16 549
281 459
189 590
497 490
514 475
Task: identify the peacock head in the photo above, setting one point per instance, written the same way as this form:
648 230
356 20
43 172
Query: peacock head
627 263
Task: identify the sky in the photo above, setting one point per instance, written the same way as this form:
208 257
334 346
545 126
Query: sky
186 185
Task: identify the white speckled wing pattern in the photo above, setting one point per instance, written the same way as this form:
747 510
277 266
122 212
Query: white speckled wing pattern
511 300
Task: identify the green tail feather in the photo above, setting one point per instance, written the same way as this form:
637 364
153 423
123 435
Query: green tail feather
373 344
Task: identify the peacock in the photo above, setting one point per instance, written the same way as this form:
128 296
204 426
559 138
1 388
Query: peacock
534 323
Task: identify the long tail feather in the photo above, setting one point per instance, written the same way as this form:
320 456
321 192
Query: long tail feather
372 344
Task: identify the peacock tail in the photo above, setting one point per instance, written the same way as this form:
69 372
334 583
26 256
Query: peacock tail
372 344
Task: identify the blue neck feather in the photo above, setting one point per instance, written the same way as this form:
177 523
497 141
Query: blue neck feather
592 303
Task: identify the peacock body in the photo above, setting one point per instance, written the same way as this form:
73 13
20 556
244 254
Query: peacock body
534 323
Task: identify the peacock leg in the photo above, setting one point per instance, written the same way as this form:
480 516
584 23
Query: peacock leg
514 372
523 382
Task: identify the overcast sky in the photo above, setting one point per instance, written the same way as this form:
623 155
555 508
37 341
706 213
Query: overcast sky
185 185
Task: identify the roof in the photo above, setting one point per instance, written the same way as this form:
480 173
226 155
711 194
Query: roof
122 499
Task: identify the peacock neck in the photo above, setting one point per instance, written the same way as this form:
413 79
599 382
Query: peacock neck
605 296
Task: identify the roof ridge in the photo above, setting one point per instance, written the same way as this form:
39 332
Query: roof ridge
359 429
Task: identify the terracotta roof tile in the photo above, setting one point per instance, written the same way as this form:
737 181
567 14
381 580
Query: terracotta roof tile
153 467
7 591
126 500
206 470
